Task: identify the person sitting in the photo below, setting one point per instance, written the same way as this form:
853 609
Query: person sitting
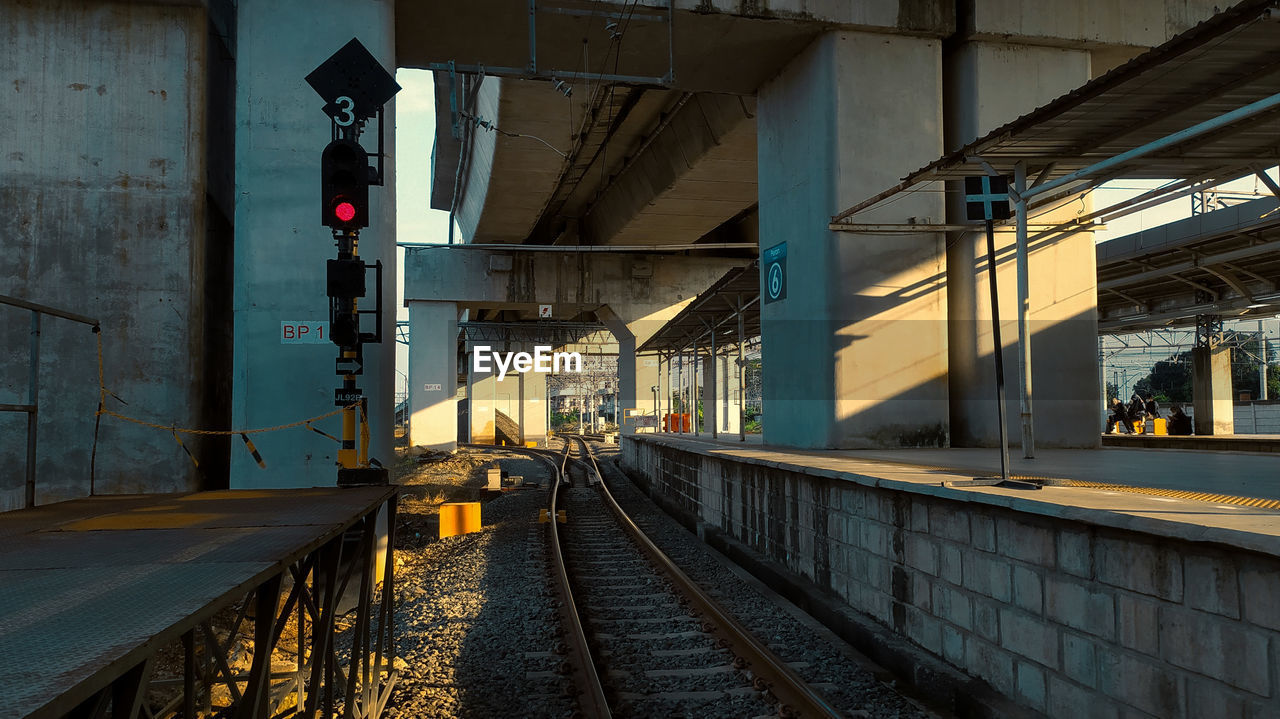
1152 408
1179 422
1119 416
1137 409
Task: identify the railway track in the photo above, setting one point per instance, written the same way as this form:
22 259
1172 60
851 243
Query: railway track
643 639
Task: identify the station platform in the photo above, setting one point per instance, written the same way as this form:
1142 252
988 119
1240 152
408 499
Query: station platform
1220 465
91 588
1147 584
1181 474
1203 443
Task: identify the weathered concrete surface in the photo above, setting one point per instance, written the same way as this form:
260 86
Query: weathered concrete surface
103 187
688 178
857 350
1211 388
988 84
1070 603
281 248
433 376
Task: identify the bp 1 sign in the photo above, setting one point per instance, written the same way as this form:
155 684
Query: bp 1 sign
774 262
303 332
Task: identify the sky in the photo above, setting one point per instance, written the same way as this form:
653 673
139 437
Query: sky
415 220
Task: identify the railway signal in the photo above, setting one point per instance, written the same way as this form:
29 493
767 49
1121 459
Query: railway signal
354 87
344 186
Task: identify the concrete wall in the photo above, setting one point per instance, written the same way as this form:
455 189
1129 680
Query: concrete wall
103 187
1259 417
857 351
989 84
281 247
1117 616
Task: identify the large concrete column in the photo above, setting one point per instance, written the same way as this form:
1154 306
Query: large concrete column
533 408
728 403
281 248
1211 390
987 85
855 355
433 375
115 195
636 375
710 393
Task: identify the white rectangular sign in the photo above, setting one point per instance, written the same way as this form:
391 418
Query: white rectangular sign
431 388
544 312
304 332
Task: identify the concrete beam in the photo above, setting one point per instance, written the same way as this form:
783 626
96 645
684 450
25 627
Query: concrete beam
693 173
1083 23
635 286
721 46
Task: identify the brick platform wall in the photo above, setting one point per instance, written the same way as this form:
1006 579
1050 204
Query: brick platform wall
1066 618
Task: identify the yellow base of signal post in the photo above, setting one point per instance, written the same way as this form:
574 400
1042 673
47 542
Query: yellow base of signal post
459 518
561 517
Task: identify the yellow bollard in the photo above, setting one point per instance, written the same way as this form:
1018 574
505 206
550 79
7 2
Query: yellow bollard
459 518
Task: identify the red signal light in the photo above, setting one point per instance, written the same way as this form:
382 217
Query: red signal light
344 211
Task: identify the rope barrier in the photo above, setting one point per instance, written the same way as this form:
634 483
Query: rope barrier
102 411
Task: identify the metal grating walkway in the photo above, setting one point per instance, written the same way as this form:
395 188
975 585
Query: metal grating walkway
91 586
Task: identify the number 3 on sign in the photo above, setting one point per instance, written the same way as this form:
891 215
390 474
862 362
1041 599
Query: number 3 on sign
346 116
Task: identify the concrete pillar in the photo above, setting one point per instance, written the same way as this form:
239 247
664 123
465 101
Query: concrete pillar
533 408
711 384
636 375
856 353
1211 390
728 403
281 248
433 375
987 85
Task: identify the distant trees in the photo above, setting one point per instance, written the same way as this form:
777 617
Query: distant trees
1170 380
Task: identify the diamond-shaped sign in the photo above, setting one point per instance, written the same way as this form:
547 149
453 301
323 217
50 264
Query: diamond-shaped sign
354 73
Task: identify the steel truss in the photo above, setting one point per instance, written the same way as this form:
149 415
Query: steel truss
320 684
554 333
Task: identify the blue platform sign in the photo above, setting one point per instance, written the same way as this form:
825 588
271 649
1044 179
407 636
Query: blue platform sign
774 262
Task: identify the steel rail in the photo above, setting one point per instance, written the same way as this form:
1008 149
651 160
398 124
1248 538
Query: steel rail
795 697
592 702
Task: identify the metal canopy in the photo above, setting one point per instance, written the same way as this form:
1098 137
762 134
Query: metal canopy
1221 66
1225 262
737 292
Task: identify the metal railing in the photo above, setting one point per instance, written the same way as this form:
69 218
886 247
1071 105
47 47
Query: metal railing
33 380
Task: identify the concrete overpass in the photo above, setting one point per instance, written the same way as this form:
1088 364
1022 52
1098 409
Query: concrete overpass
166 183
